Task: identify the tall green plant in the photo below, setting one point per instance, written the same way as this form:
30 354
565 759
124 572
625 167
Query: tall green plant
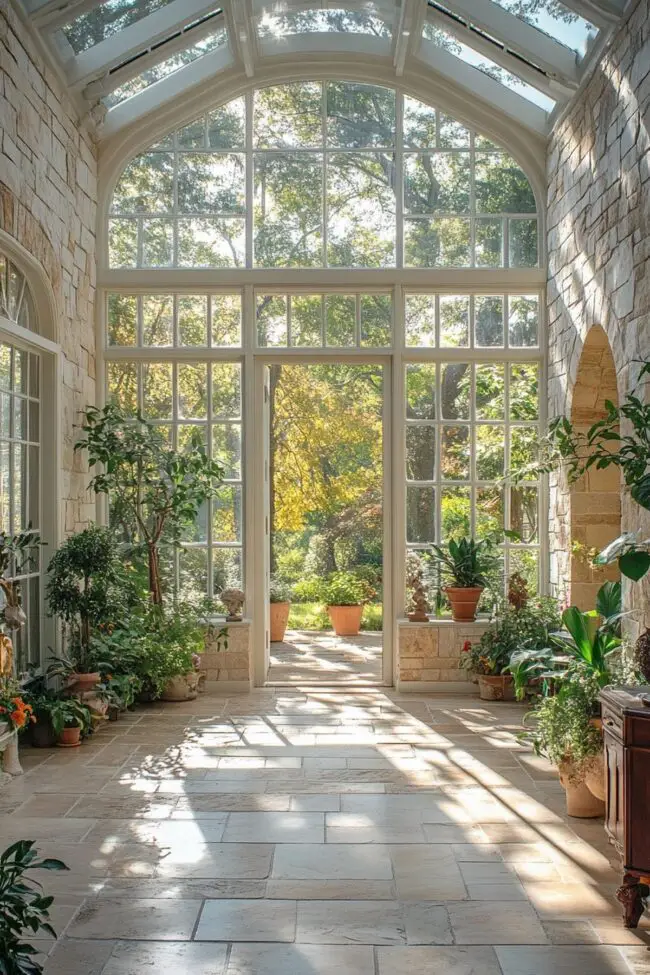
589 646
465 562
154 491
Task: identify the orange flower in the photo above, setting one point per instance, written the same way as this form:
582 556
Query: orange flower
19 718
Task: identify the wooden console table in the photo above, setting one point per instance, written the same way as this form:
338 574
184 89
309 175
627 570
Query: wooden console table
626 731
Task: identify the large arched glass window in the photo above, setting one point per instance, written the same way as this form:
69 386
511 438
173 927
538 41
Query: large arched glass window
316 175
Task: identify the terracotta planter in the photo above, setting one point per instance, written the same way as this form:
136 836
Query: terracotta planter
581 803
500 687
595 777
182 688
70 738
463 602
346 620
279 619
79 683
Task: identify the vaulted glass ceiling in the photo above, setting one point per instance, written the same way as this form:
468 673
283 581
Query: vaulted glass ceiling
124 59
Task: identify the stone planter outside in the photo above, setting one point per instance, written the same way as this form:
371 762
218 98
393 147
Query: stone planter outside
346 620
81 683
182 688
595 777
500 687
279 613
581 803
463 602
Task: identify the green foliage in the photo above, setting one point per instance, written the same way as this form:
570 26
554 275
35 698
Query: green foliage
588 648
121 690
346 589
561 725
518 635
313 616
308 590
66 712
279 591
465 562
24 909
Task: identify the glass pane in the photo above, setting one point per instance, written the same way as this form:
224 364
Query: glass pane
226 126
107 19
523 446
193 320
454 321
488 321
5 366
5 414
490 391
454 453
34 432
191 437
376 320
522 247
289 210
556 20
444 242
158 320
420 453
277 21
123 243
198 530
18 487
5 525
226 390
226 568
192 391
421 392
437 182
157 243
122 320
192 136
453 135
361 210
523 321
360 115
211 242
340 320
211 183
19 365
489 242
420 320
524 513
490 452
157 390
193 574
226 448
524 391
526 563
420 125
489 511
146 185
226 320
272 320
307 320
420 514
19 431
501 186
287 116
122 385
227 514
455 512
34 374
455 390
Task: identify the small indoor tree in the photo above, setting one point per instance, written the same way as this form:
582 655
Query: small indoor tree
155 492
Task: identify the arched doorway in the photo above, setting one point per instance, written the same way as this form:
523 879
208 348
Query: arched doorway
595 497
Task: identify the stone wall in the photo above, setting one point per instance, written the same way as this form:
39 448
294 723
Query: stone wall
599 245
429 655
228 660
48 199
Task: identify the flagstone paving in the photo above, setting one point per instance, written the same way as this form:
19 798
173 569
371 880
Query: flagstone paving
318 831
320 657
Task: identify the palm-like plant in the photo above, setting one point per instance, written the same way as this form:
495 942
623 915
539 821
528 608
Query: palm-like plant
588 647
466 562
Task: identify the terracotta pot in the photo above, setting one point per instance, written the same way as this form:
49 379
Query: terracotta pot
463 602
580 801
346 620
500 687
80 683
70 738
279 620
182 688
595 777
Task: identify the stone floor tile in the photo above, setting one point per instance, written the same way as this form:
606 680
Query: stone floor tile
570 933
452 833
562 901
78 957
564 960
179 958
250 959
315 803
381 890
422 874
148 919
350 922
39 806
381 833
273 827
497 891
484 922
235 861
475 852
437 961
242 920
638 959
331 862
427 924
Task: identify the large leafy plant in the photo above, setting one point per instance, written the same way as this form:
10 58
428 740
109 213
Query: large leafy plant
346 589
465 562
24 909
155 492
562 728
516 631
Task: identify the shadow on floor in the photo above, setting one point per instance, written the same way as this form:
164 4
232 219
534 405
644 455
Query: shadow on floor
316 657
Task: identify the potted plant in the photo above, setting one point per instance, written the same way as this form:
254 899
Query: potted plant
345 595
465 563
70 720
280 599
23 908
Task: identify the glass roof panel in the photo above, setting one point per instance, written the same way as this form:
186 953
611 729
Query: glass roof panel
107 19
278 19
553 18
464 52
164 68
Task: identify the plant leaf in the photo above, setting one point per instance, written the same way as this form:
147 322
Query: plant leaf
634 564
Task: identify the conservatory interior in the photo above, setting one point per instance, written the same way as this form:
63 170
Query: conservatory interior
324 471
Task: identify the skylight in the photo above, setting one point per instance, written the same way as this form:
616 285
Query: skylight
278 20
554 19
107 19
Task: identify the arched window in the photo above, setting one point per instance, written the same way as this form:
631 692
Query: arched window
323 175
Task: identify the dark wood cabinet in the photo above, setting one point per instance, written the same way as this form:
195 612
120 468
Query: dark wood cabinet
626 734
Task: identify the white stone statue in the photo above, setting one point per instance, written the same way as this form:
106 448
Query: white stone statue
233 600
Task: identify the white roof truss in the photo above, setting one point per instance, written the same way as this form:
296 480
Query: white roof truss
601 13
407 32
242 32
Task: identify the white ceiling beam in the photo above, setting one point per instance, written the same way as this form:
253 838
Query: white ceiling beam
554 89
241 24
126 43
407 32
483 87
601 13
557 59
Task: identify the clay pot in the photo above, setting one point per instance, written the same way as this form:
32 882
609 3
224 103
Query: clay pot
463 602
70 738
595 777
500 687
80 683
581 803
279 619
182 688
346 620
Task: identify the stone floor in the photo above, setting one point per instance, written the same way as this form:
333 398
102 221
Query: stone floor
310 656
318 832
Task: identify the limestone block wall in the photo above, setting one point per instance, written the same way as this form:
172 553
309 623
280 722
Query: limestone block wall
228 667
599 246
429 655
48 199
